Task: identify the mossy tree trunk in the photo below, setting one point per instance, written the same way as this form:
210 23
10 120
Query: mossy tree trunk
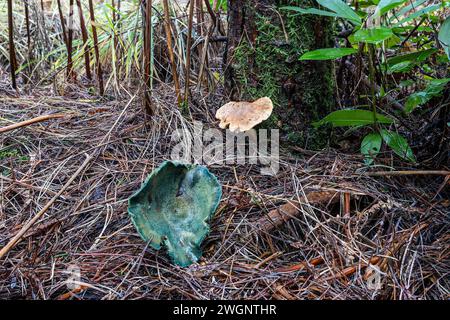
262 59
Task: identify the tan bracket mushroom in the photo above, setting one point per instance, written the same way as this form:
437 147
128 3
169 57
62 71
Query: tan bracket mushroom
242 116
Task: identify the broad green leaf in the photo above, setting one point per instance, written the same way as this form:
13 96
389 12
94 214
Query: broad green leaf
341 8
328 54
444 36
338 9
418 56
312 11
408 8
408 28
392 42
442 58
352 117
373 35
385 5
406 62
433 89
398 144
419 14
401 67
416 99
370 147
436 86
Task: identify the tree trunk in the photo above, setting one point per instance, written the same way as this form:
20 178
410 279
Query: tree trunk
262 59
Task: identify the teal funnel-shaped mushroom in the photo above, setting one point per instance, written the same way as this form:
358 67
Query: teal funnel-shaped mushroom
173 207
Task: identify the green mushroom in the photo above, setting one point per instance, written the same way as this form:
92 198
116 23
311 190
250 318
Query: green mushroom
173 207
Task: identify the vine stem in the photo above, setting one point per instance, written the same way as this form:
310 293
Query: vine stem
372 84
148 57
84 34
188 51
96 50
170 49
12 50
70 72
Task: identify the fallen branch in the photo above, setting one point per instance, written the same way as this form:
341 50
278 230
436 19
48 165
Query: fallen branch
300 266
30 223
16 239
287 211
408 173
30 121
28 186
352 269
72 293
381 261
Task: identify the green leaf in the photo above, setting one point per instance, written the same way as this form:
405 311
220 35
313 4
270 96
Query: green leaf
433 89
385 5
405 62
401 67
410 7
436 86
419 14
222 4
418 56
398 144
392 42
352 117
373 35
406 83
312 11
415 100
328 54
444 36
341 8
442 58
370 147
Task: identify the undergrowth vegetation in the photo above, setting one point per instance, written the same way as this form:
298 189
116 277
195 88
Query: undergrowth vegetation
396 43
120 41
356 91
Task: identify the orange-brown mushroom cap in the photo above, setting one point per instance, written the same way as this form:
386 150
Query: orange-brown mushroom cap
243 116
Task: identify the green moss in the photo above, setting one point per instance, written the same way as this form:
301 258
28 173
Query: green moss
302 92
12 153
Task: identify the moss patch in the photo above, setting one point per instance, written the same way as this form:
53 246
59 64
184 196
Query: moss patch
12 153
269 65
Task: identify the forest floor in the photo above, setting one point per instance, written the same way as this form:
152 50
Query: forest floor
394 230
